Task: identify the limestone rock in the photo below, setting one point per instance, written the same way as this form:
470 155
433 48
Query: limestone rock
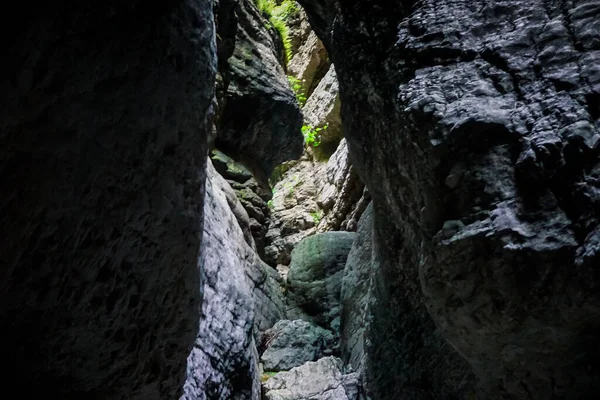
342 194
299 29
240 298
323 109
510 91
310 63
104 119
294 212
315 276
260 120
290 344
355 294
320 380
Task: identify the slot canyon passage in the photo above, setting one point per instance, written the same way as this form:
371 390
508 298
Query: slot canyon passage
324 200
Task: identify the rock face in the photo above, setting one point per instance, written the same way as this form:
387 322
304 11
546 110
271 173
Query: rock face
223 363
323 108
313 197
290 344
475 126
355 293
320 380
252 195
342 195
315 276
259 112
103 126
310 63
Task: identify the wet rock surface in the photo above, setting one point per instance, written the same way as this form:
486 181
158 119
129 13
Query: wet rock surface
474 126
103 130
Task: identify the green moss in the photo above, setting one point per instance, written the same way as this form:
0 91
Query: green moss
278 14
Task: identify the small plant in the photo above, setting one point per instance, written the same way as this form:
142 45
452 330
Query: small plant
266 375
311 134
296 85
278 15
270 203
317 216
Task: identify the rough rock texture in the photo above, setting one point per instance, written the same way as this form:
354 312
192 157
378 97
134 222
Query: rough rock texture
252 195
294 211
320 380
103 127
315 276
323 108
223 362
260 113
355 293
342 195
313 197
290 344
476 127
310 63
299 29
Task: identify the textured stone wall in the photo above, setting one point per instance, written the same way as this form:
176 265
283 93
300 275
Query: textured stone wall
103 127
475 126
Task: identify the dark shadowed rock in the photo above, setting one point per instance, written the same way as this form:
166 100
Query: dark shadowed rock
355 294
290 344
476 127
260 120
315 276
103 127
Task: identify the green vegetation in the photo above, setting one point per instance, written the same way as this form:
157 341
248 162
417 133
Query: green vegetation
317 215
311 134
266 375
279 12
289 186
296 85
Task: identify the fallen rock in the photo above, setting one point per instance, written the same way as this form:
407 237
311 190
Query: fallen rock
320 380
315 276
290 344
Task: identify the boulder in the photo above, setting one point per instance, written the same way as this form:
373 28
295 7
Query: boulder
320 380
315 275
290 344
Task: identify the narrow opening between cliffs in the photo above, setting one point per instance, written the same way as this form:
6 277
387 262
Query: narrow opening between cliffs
281 182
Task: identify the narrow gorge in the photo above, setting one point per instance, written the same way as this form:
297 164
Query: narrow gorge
301 200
